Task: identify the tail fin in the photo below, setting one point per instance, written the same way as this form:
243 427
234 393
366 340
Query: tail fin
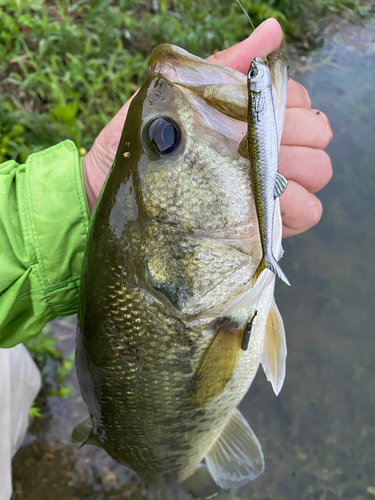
269 262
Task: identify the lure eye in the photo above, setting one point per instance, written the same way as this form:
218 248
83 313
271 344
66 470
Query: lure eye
164 135
253 73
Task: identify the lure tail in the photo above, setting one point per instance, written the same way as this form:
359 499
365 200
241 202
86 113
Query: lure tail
269 262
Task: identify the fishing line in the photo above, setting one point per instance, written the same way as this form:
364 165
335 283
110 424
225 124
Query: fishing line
251 23
246 14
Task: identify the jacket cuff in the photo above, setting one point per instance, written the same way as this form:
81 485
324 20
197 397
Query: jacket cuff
58 216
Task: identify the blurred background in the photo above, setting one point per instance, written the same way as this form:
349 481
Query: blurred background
65 69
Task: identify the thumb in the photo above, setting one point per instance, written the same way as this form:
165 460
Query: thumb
262 42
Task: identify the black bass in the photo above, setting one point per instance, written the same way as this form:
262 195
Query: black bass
171 330
263 146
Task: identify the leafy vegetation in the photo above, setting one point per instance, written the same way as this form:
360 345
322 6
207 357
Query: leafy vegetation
67 66
54 367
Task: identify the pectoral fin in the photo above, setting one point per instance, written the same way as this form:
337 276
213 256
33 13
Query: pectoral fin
274 354
83 433
217 364
243 148
281 184
236 457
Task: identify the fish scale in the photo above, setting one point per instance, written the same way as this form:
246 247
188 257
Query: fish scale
144 371
166 290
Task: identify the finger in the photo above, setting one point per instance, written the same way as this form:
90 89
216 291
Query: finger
300 209
287 231
263 41
310 167
306 127
297 96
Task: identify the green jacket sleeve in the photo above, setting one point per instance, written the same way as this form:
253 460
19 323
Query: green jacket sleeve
44 221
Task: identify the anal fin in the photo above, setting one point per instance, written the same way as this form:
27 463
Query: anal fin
236 457
274 353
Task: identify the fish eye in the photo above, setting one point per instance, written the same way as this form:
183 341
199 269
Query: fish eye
164 135
253 73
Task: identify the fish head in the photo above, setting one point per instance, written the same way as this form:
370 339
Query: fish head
184 134
259 75
180 193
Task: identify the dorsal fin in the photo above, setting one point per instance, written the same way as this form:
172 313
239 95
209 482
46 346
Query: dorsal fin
274 353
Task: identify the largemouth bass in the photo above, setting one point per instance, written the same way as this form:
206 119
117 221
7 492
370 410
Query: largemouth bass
171 329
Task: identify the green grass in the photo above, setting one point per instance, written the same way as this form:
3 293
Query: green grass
66 67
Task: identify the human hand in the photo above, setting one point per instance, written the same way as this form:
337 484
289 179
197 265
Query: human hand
301 160
306 133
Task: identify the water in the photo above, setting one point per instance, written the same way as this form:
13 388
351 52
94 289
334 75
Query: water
318 435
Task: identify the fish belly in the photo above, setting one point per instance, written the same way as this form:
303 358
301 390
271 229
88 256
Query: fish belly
135 364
